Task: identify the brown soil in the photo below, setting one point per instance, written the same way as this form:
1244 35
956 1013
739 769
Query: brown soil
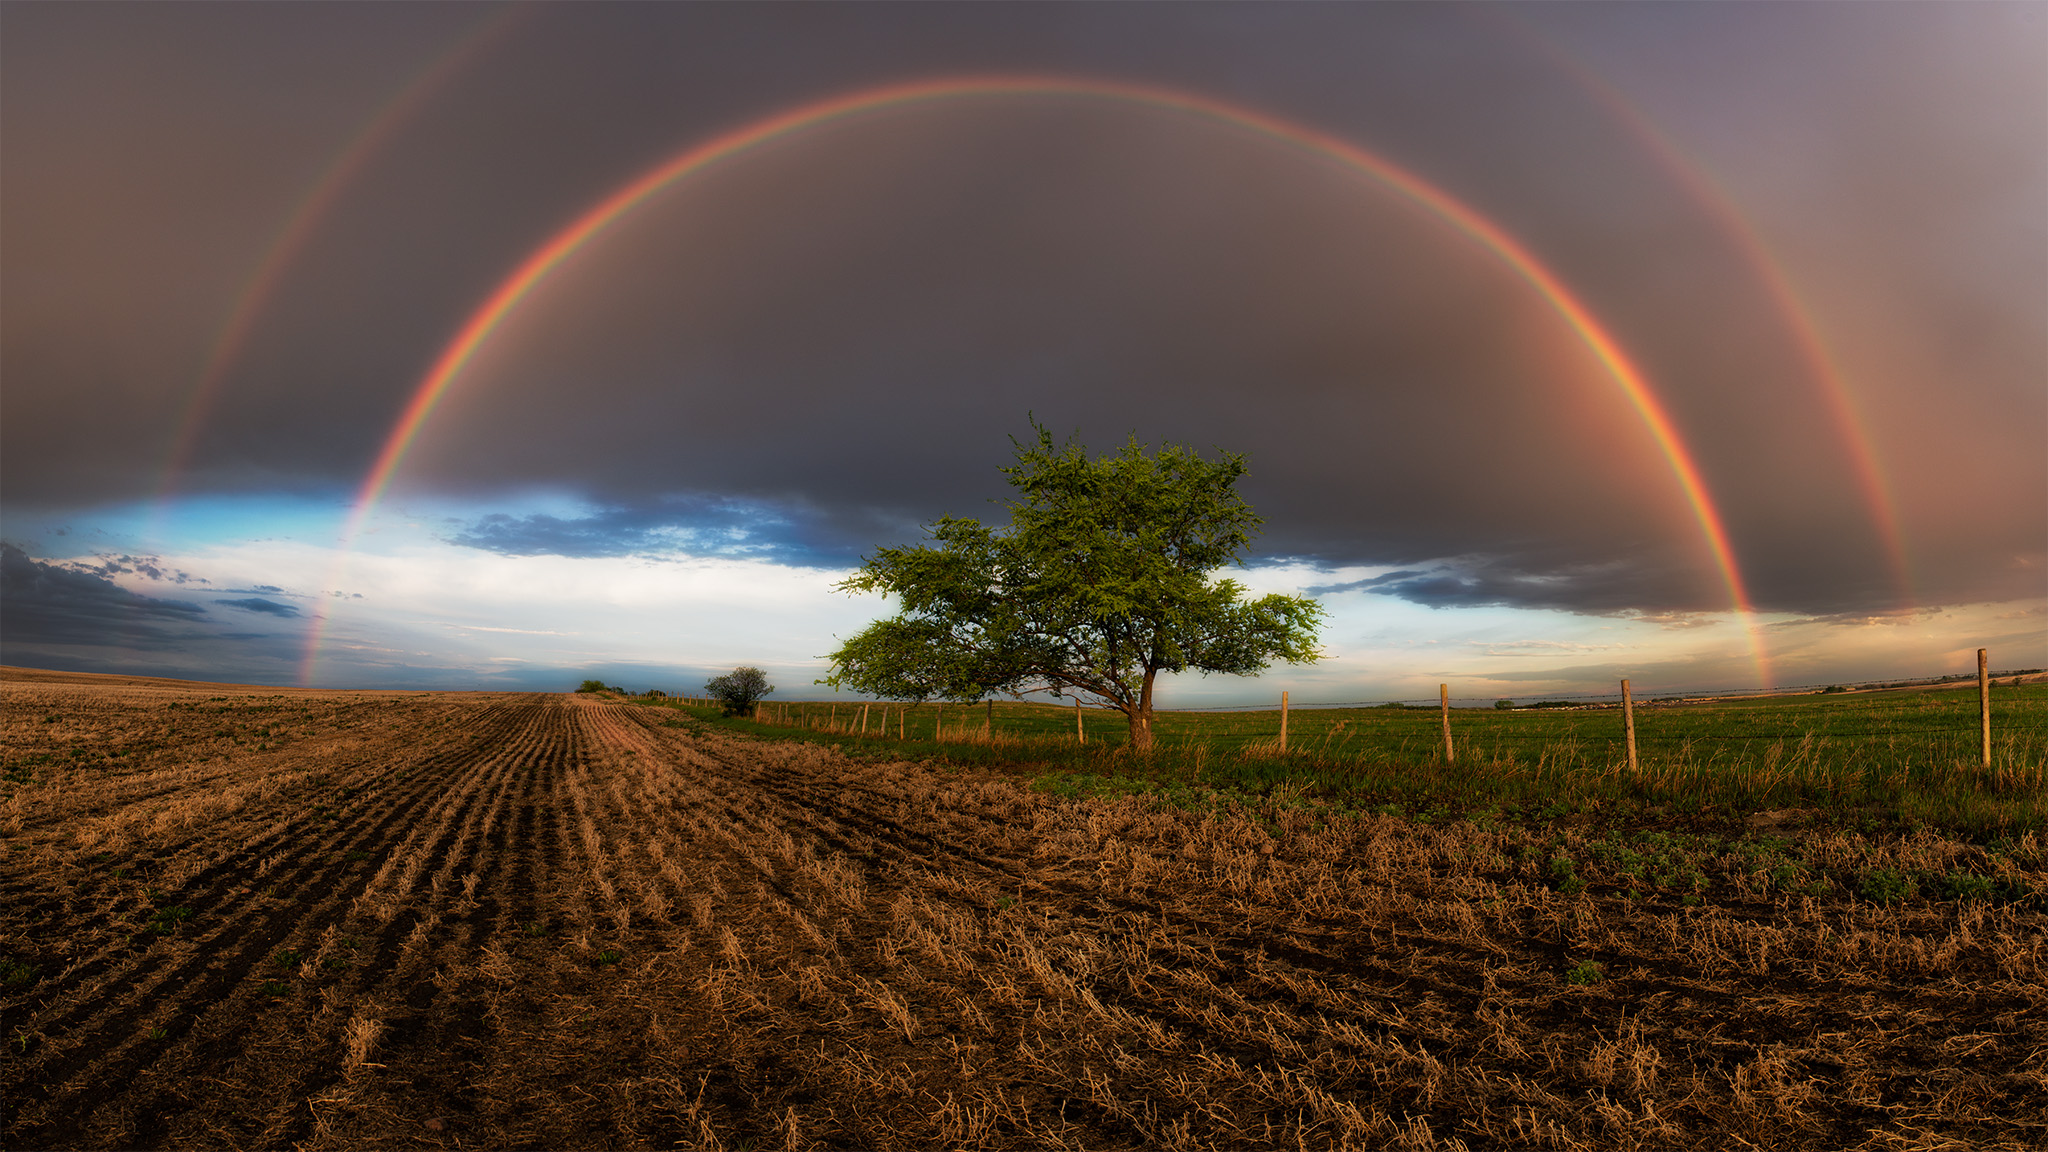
549 921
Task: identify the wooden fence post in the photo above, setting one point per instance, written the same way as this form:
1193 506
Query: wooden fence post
1628 722
1443 692
939 722
1283 719
1080 729
988 726
1984 704
863 719
903 722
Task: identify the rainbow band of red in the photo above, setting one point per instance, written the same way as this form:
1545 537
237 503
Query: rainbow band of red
492 312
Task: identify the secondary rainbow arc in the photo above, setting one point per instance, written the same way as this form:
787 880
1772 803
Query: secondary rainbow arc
297 231
1817 357
495 308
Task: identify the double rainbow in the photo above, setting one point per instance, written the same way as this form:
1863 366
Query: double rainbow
499 305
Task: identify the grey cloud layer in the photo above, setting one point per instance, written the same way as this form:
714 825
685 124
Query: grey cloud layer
805 353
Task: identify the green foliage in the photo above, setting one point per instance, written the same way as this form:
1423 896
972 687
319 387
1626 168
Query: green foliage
1863 761
165 921
1503 705
1585 973
1969 886
737 690
591 686
1103 579
1885 886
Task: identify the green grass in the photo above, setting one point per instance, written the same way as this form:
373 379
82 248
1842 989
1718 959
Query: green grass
1900 757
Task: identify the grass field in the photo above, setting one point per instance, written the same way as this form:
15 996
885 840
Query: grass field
255 918
1904 756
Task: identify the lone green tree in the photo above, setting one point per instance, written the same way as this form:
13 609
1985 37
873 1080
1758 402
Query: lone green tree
1104 578
737 690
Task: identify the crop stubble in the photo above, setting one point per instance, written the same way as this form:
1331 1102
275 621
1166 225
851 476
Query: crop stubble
489 920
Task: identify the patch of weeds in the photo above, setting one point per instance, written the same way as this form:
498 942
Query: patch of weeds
1005 903
14 972
1565 874
358 854
158 1033
535 928
1789 877
286 958
1079 785
166 920
610 956
1885 886
1967 886
274 990
1584 974
335 963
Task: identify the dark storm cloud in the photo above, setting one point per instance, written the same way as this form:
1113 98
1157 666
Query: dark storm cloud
789 533
1472 582
258 604
1369 584
149 566
806 353
67 618
49 604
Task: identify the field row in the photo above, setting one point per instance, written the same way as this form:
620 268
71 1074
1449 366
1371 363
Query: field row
566 921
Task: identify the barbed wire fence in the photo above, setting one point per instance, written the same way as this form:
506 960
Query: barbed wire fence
894 714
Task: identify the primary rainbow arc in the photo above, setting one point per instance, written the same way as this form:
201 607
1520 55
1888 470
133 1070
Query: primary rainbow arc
489 315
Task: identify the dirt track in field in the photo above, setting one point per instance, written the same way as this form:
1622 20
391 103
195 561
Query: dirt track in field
550 921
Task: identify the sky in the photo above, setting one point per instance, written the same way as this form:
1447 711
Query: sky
480 346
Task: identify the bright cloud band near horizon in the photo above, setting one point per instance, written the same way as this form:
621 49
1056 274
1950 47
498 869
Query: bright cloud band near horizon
540 262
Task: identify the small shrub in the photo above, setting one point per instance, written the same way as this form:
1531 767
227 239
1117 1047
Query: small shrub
737 690
1969 886
1884 886
1585 973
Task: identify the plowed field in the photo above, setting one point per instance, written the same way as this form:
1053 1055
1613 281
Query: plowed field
250 919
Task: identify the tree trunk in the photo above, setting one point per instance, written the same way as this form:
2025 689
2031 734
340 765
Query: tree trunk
1141 716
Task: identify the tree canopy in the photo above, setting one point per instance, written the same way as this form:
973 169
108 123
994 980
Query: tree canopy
737 690
1104 578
